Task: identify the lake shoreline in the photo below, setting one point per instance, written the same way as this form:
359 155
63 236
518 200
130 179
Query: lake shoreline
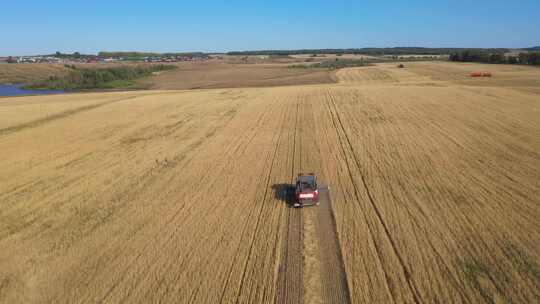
40 92
13 90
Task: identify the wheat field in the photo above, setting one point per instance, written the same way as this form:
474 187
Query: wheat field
174 196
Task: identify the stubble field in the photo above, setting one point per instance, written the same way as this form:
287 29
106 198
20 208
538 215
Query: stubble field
178 196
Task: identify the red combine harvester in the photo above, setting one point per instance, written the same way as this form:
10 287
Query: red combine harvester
307 192
480 74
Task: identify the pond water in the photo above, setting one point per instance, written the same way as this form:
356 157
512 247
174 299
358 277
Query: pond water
16 90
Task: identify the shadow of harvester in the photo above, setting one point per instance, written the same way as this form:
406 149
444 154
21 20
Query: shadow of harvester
284 193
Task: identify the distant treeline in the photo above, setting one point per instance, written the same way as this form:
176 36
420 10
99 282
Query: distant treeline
529 58
103 78
532 58
76 55
144 54
367 51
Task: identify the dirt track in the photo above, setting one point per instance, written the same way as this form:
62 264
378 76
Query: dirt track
330 284
171 195
333 275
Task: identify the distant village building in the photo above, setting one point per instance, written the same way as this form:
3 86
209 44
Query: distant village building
78 58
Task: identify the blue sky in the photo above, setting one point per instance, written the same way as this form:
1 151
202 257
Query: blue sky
36 27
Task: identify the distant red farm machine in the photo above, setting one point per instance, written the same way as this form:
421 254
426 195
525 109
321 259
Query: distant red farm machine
480 74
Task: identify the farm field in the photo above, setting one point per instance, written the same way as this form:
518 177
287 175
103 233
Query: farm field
177 195
230 73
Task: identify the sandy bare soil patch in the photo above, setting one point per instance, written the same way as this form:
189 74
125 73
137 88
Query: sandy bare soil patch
170 196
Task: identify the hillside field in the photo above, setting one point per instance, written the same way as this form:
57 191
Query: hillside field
176 196
228 72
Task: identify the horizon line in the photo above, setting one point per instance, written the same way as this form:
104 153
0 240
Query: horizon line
278 50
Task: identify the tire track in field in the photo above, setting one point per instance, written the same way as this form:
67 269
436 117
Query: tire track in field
338 124
290 285
331 274
417 223
357 196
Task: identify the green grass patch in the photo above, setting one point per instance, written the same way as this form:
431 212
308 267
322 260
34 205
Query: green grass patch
120 77
120 84
524 263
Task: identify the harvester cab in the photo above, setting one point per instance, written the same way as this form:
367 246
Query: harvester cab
306 192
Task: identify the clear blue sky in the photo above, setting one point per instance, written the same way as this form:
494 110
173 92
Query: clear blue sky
34 27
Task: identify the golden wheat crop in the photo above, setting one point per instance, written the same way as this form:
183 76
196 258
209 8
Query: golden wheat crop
174 196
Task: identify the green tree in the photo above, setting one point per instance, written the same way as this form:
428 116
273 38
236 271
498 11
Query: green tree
534 58
523 58
496 58
512 60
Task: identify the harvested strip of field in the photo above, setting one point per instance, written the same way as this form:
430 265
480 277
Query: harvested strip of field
290 287
335 287
325 279
169 195
324 271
